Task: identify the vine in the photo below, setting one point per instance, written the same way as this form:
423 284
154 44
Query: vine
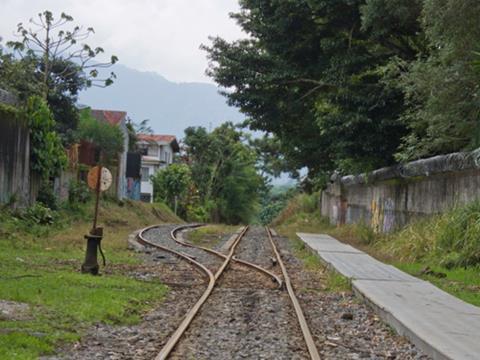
46 151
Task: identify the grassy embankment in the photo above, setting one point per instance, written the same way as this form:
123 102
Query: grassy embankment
39 266
444 249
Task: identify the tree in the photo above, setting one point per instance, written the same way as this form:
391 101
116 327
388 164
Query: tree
47 155
313 77
224 173
107 138
58 66
171 186
52 45
442 87
46 151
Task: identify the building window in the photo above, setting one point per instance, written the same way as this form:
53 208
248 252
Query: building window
145 197
145 174
166 156
153 150
143 150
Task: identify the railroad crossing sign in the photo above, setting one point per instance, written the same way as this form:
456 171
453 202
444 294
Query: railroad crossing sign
105 178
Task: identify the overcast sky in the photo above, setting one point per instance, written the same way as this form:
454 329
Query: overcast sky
150 35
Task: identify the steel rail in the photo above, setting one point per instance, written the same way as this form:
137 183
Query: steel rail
191 313
173 340
307 335
274 277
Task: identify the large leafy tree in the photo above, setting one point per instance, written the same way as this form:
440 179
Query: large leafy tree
311 75
442 86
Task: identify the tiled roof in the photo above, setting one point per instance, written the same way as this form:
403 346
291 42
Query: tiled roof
156 138
169 139
110 116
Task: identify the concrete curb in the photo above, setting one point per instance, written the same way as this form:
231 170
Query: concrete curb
442 326
399 327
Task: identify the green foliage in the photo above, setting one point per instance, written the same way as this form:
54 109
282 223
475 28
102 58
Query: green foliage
459 238
78 192
52 61
226 182
47 154
46 196
18 76
351 85
10 114
313 77
107 138
39 214
171 186
442 87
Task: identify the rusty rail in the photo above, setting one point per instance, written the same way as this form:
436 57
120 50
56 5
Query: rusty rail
307 335
273 276
173 340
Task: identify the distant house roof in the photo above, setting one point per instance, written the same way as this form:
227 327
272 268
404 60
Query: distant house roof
168 139
110 116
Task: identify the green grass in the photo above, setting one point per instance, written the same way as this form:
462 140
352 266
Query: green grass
210 235
300 215
463 283
39 265
447 244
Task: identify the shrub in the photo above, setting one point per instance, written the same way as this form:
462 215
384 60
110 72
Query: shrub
78 192
39 214
46 196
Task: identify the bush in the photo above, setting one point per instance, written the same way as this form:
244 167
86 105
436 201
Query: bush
309 203
197 213
39 214
78 192
46 196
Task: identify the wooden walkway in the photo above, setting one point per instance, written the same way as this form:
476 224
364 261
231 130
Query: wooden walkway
443 326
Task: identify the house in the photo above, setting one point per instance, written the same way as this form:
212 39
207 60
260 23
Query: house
157 153
118 118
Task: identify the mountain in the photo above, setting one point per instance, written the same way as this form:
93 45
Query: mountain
171 107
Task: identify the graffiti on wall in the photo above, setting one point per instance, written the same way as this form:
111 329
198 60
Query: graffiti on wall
383 215
388 215
377 215
133 188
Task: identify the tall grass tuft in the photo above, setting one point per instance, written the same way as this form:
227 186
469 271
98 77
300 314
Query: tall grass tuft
459 236
451 239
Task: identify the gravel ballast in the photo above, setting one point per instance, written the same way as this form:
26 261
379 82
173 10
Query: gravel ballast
247 316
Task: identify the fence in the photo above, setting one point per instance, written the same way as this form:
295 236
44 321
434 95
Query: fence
391 197
18 185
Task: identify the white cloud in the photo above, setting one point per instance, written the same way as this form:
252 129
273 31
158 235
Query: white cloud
152 35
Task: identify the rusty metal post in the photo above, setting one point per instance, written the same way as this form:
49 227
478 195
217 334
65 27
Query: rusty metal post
90 265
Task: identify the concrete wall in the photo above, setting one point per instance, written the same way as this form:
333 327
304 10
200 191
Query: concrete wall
391 197
17 183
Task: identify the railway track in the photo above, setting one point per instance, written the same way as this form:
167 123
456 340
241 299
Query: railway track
213 279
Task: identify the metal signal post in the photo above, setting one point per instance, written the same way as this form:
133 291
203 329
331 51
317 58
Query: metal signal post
99 179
